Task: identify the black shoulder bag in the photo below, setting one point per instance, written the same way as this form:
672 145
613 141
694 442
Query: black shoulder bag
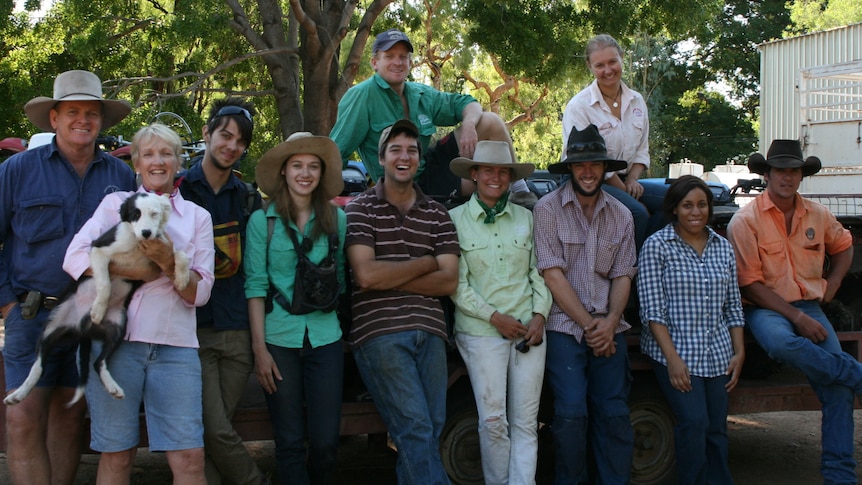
315 286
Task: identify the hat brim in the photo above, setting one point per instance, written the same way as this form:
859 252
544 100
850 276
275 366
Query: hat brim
760 165
385 46
268 175
461 167
38 110
611 166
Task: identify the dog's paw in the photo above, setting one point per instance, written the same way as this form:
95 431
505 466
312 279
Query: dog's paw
116 391
181 270
97 312
14 398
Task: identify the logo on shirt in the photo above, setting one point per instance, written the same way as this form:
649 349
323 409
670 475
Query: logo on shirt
809 233
424 120
110 189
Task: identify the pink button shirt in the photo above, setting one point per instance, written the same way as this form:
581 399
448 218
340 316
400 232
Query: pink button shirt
157 313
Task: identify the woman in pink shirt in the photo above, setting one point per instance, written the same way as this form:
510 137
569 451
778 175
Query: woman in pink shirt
157 363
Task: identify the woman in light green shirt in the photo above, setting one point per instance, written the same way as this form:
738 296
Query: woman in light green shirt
298 353
500 310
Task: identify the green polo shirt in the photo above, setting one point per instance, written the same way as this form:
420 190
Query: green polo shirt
370 106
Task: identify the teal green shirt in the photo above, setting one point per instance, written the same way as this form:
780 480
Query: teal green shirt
497 269
370 106
280 327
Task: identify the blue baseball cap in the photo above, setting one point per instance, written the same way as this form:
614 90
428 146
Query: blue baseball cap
385 40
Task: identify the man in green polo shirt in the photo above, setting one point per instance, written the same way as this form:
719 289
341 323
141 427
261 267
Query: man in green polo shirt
372 105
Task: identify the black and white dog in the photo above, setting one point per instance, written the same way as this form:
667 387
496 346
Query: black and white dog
95 308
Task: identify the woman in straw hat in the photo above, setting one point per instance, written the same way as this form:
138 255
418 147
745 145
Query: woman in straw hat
298 357
500 294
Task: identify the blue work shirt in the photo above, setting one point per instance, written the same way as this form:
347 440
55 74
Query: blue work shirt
230 209
43 203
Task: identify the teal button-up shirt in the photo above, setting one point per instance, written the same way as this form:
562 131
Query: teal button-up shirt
282 328
370 106
497 269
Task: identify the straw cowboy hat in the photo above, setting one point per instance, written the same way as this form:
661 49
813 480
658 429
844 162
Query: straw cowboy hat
491 154
76 86
268 172
783 154
586 146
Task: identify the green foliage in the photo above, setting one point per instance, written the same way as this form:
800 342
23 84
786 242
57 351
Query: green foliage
814 15
704 128
533 38
727 45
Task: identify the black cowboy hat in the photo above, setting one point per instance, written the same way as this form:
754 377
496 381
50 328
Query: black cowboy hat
586 146
783 154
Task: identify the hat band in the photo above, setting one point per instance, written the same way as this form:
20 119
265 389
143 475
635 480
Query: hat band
79 94
592 146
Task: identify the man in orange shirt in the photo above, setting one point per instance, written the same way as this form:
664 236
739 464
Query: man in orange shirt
781 242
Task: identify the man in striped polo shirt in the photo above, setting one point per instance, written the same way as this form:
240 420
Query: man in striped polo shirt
403 251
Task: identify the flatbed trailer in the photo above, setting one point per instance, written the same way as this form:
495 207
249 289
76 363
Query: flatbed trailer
765 385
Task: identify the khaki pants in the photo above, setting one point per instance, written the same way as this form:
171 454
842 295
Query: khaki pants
226 363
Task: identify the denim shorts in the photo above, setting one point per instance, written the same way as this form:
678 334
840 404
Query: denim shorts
167 380
60 368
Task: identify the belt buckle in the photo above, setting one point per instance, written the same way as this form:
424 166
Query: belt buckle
50 302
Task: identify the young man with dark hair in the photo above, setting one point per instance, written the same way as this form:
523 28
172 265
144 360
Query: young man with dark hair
781 241
403 250
223 326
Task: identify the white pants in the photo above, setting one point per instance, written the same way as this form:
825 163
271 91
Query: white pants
507 385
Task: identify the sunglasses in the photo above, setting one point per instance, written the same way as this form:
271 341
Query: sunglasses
234 110
593 146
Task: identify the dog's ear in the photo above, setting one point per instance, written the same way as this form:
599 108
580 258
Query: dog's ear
165 203
129 211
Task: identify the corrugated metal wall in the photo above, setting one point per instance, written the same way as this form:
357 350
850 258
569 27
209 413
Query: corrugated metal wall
780 62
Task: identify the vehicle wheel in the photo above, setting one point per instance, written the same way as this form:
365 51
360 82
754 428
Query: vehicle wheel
459 447
653 458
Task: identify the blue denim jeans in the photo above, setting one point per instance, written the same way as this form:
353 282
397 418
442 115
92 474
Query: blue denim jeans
406 374
700 434
313 377
834 375
589 389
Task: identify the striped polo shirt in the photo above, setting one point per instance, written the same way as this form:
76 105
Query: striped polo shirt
425 229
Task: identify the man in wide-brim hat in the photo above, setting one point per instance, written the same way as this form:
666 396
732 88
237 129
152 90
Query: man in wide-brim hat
46 195
585 248
781 241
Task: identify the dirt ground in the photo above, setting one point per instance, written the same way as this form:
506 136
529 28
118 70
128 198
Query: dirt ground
769 448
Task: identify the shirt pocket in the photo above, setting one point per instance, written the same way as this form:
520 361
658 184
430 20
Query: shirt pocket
574 244
773 261
606 254
474 250
39 219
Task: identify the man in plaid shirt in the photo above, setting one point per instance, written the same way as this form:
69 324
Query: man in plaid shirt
586 253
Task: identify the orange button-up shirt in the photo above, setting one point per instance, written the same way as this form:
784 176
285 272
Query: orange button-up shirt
791 265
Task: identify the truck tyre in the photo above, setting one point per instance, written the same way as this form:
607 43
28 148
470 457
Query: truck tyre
652 420
459 446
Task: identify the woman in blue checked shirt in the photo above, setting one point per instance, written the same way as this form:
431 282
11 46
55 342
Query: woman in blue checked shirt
691 306
500 310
